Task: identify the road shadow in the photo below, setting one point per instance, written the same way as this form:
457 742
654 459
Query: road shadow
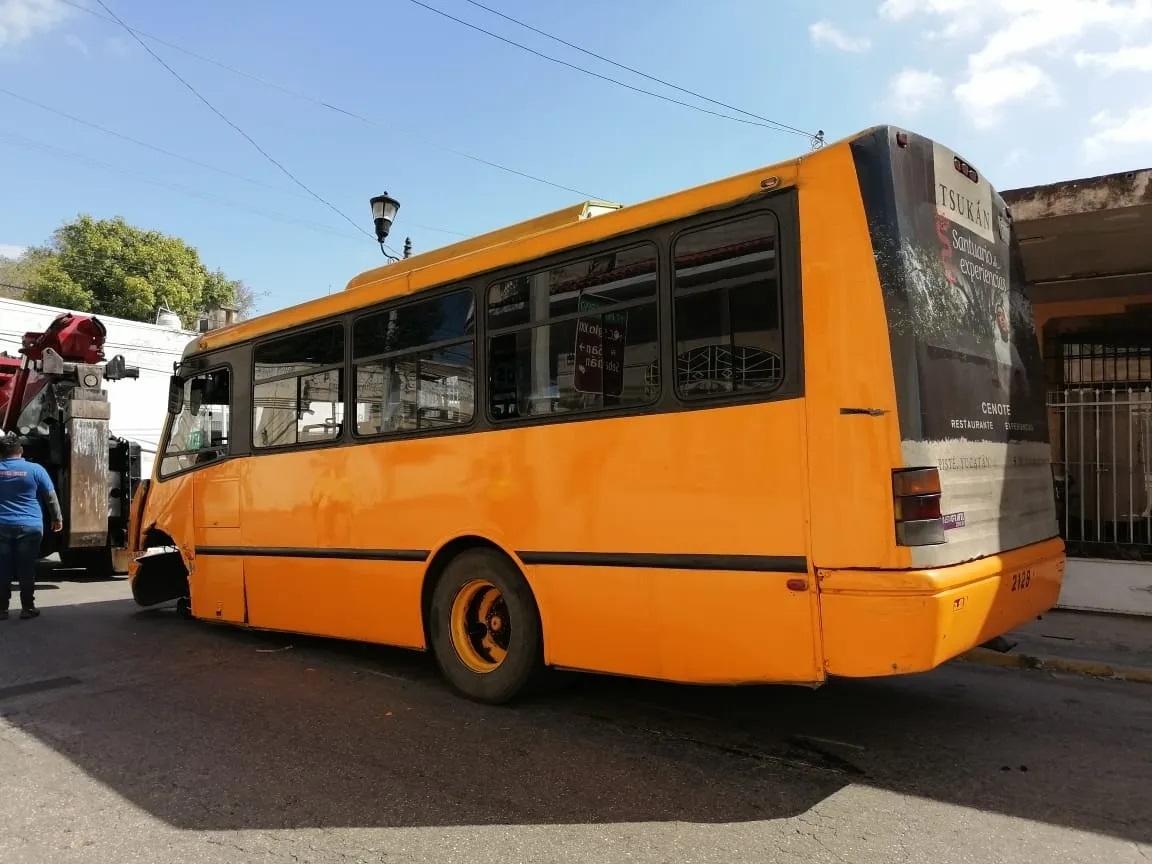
214 728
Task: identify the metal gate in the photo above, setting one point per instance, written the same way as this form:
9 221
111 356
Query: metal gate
1101 422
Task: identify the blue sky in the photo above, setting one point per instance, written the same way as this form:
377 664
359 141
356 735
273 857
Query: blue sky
1030 91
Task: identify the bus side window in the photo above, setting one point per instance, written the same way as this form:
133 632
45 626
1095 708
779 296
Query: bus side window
414 365
727 308
297 400
579 336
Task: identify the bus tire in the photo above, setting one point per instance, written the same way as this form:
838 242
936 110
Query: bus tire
484 627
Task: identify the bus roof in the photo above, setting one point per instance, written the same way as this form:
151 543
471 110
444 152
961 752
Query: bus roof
579 224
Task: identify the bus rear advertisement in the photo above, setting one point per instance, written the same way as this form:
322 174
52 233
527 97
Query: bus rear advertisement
781 427
965 356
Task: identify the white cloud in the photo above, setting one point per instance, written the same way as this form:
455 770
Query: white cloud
1116 132
1130 58
9 250
913 89
898 10
962 17
20 20
826 33
987 91
1020 49
1032 25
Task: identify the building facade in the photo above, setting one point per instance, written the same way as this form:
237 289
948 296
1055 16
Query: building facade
1086 250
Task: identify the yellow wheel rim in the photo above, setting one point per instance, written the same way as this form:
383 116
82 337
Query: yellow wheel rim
480 627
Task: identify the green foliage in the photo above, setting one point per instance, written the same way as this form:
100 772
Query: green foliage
16 274
108 267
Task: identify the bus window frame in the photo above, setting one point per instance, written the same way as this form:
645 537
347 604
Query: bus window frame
342 366
161 451
411 299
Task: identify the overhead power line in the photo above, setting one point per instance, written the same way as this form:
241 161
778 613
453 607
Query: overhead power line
181 156
71 155
347 112
782 126
137 141
769 124
244 134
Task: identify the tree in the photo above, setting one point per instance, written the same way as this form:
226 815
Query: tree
16 273
106 266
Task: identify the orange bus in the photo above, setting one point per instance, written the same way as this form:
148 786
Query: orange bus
783 426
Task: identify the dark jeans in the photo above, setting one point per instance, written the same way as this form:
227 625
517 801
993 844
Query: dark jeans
19 552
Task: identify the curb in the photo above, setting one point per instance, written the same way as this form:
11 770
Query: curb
1086 668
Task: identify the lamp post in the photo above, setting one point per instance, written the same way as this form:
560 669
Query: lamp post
384 208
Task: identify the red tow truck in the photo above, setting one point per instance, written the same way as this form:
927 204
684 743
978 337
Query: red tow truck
51 394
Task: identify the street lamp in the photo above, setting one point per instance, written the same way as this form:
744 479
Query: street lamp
384 209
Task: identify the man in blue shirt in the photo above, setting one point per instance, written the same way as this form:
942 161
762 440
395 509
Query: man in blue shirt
23 487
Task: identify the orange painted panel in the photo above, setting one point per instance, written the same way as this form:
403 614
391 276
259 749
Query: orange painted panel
600 618
659 484
216 582
847 364
679 625
169 507
217 496
735 628
729 481
217 586
370 601
877 623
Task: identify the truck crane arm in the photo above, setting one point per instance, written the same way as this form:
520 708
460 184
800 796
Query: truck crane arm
71 347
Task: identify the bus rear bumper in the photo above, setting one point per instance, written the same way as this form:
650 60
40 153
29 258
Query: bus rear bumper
878 623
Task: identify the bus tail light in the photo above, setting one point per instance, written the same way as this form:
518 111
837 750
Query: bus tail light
916 500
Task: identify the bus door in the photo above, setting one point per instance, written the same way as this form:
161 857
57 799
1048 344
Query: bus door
217 577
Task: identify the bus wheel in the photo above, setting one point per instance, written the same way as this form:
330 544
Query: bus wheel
485 627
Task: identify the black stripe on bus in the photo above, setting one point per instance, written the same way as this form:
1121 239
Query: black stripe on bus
290 552
656 561
747 563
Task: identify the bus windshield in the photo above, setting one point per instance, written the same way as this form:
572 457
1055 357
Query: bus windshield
965 354
198 434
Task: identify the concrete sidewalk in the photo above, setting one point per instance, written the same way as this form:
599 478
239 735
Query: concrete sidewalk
1082 643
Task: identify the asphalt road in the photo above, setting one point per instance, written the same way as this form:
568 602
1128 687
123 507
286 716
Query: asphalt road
132 735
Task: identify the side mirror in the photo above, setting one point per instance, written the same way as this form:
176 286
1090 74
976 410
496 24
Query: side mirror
175 394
